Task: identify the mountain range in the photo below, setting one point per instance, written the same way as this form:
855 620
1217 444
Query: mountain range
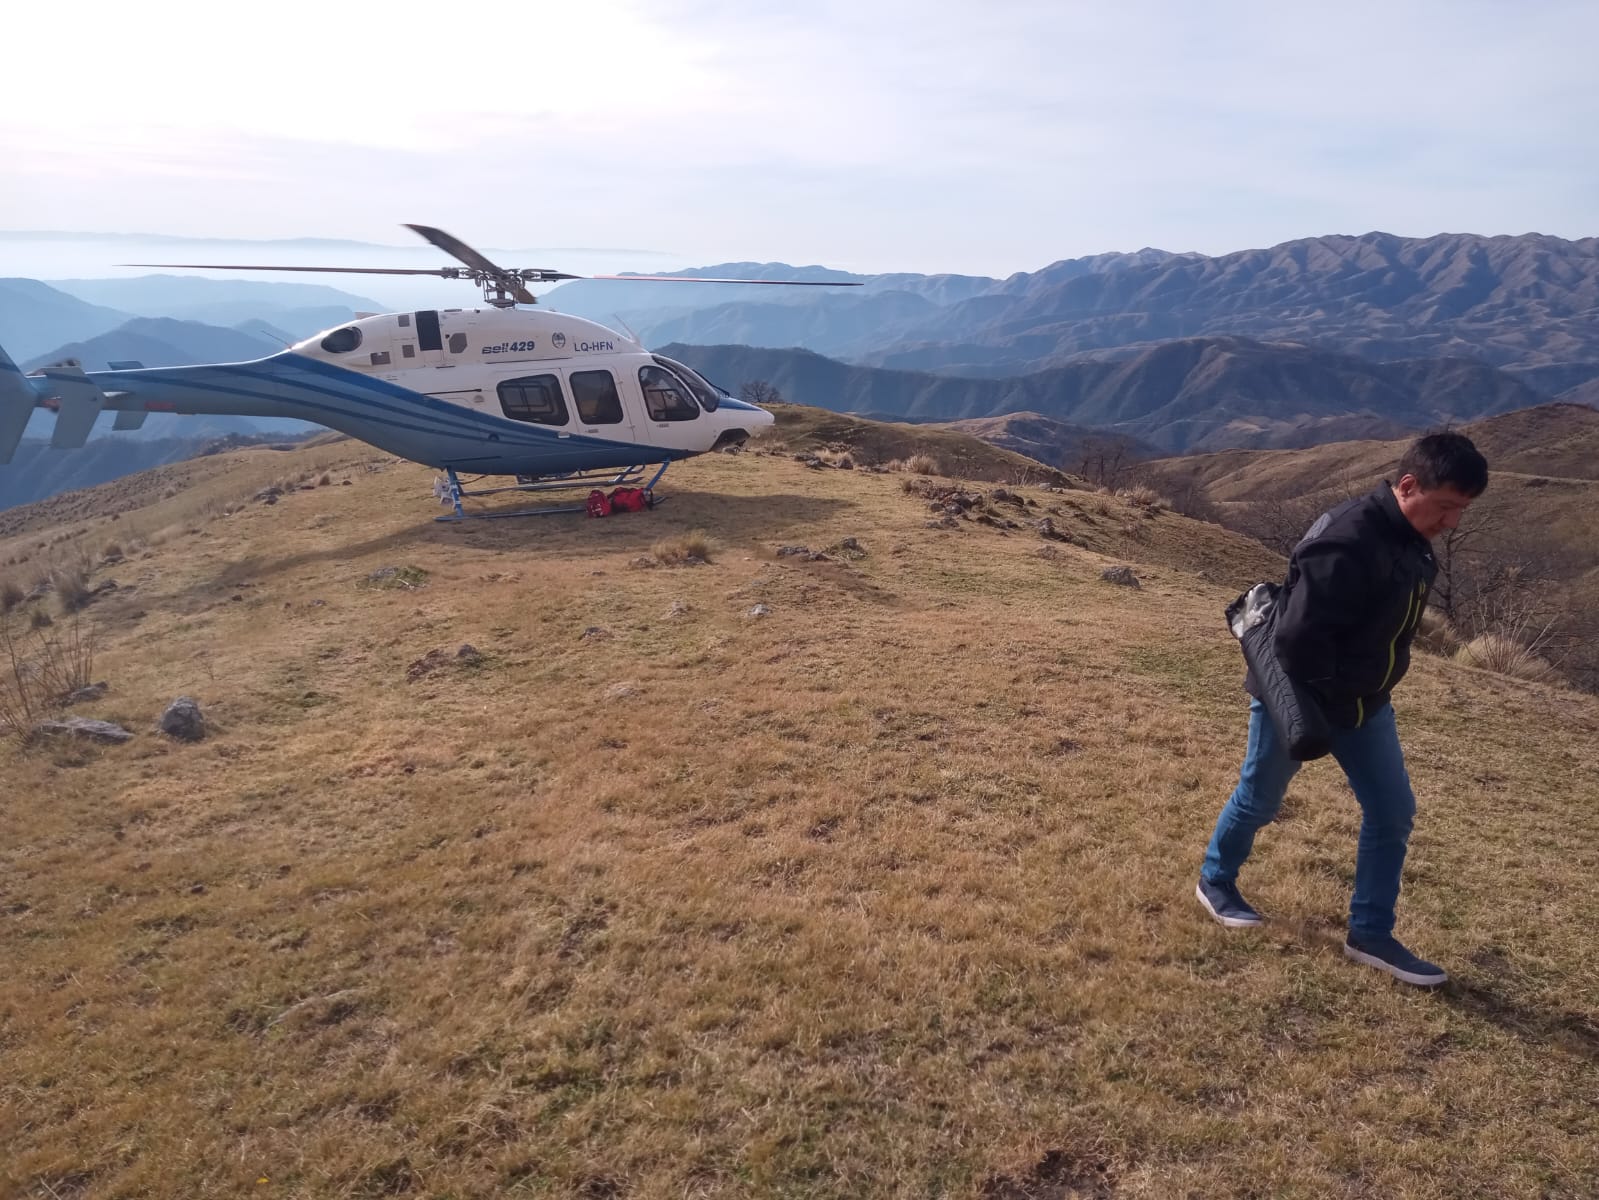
1184 395
1528 303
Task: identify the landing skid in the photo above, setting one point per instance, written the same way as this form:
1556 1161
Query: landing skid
451 491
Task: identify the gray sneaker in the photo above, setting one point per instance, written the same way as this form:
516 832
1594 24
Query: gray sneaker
1223 901
1386 954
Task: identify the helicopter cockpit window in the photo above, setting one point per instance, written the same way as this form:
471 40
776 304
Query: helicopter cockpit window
703 391
457 342
665 397
342 341
535 398
597 400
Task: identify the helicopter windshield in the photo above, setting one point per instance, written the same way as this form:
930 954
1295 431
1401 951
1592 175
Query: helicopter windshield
704 392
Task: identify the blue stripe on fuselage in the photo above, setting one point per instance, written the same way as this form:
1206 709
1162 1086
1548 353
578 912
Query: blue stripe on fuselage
416 412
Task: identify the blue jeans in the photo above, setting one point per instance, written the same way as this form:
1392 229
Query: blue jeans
1375 765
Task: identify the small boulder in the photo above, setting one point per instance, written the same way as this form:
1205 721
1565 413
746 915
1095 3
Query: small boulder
184 720
104 732
1121 575
1046 529
760 610
83 695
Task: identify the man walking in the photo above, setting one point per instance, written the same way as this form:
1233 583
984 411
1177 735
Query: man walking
1357 585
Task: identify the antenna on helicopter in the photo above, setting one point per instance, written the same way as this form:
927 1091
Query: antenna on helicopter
502 288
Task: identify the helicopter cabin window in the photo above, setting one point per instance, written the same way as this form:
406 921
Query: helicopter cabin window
405 320
707 395
427 330
535 398
342 341
665 397
458 343
596 396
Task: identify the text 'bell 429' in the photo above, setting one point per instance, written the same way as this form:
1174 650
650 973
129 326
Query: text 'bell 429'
554 400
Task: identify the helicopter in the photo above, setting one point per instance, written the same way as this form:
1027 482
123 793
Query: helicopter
551 400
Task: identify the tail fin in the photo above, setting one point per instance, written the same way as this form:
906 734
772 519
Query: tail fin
79 400
17 401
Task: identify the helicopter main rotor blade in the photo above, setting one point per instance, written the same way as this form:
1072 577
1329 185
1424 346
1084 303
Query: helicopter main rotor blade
445 272
455 247
703 279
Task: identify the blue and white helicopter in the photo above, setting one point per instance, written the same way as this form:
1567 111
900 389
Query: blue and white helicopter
553 400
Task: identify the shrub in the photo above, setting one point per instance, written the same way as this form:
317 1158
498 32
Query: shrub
690 547
39 672
1144 497
1436 634
922 464
1496 652
11 595
71 586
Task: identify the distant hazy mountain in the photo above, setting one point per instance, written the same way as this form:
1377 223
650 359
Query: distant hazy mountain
160 342
837 324
185 296
1198 393
605 300
846 322
35 316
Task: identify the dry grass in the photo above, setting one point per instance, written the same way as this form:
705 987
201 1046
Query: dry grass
1437 635
71 587
886 894
684 549
1496 652
1143 496
922 464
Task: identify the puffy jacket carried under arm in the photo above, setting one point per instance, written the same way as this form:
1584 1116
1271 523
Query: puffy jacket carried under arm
1357 586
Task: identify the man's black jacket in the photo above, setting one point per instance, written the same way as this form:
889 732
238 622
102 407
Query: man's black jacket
1357 586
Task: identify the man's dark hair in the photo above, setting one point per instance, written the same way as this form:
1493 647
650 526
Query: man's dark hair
1446 460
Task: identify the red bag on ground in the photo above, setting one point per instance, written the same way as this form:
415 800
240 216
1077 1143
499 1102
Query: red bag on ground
630 499
599 504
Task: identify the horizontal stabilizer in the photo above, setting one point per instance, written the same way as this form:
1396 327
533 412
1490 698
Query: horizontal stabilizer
125 364
127 419
16 406
79 401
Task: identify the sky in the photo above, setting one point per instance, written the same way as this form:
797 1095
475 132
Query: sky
872 135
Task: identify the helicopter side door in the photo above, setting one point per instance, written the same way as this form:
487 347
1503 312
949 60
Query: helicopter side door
672 418
599 410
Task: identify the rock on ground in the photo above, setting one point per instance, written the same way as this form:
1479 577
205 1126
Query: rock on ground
184 720
82 727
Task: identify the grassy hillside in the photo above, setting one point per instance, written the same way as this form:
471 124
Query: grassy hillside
803 429
885 892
